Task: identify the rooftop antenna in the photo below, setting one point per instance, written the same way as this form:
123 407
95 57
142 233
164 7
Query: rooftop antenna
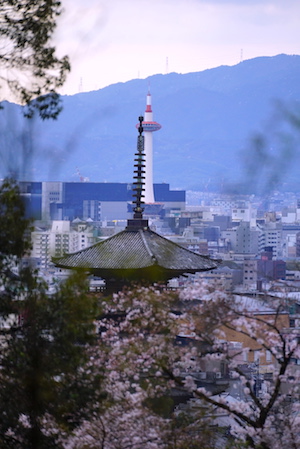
241 55
167 65
80 85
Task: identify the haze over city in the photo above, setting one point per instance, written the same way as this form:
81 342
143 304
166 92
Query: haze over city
115 41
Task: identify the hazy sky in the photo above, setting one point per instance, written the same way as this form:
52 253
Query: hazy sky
112 41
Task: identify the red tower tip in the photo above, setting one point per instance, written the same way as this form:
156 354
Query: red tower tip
148 106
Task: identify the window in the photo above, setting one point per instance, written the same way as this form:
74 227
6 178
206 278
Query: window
268 356
256 356
292 322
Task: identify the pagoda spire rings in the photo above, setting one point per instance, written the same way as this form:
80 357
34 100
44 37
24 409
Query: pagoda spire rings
139 174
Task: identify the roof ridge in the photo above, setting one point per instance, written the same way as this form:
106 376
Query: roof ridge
142 234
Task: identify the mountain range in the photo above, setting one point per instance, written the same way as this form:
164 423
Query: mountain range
227 126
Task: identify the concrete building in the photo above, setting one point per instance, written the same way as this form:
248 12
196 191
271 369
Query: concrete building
247 239
224 277
99 201
244 212
271 236
250 274
263 269
298 244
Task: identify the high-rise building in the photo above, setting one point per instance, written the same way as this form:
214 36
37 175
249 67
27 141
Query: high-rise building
247 238
271 236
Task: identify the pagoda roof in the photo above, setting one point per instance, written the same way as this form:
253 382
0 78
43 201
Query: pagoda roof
136 255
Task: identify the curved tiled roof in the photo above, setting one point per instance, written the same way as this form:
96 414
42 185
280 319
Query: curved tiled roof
137 250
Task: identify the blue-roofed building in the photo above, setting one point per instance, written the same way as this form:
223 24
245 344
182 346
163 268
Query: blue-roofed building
96 200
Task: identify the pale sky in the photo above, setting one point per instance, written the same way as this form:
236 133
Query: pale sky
112 41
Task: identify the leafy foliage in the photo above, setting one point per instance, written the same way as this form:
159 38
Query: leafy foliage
32 70
49 381
13 224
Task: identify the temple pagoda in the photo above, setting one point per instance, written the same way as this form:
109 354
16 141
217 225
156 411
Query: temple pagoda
137 254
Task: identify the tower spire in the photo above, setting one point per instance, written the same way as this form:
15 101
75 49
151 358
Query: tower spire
148 106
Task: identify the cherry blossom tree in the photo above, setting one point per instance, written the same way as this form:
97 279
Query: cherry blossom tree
159 344
137 334
267 414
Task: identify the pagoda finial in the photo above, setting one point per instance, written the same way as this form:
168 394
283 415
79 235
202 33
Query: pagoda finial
139 177
139 173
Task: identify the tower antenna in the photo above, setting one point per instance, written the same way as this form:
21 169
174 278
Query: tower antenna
80 88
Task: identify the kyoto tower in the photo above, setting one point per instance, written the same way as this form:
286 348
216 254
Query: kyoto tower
148 127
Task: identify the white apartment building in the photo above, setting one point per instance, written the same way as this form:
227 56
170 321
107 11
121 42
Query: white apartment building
60 239
40 251
246 213
271 236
